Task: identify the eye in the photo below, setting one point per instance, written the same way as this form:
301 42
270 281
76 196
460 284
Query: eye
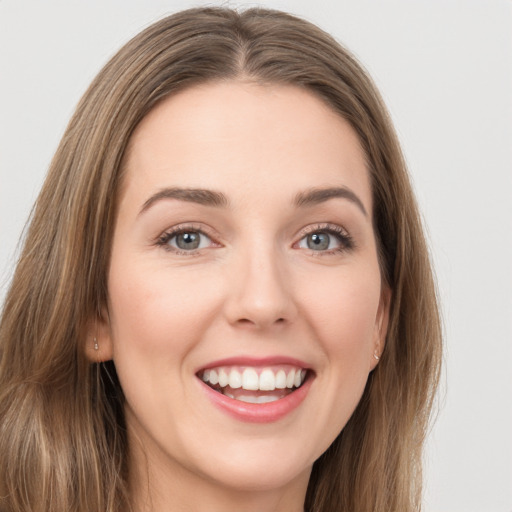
185 240
189 240
326 239
320 241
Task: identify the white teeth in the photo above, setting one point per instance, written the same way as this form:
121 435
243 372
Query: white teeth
290 379
235 379
248 399
223 378
280 379
298 379
214 378
250 380
263 399
267 380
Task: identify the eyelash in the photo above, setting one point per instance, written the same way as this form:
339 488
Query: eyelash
164 239
345 240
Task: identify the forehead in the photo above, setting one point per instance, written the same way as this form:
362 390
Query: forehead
245 139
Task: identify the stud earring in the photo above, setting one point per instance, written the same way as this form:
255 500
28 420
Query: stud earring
376 356
96 346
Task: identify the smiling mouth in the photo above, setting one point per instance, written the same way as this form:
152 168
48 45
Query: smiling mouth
253 384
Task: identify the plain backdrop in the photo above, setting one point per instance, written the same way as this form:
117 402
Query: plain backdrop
444 68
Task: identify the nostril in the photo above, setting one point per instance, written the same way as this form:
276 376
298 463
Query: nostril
248 322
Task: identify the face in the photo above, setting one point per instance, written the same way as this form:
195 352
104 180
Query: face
245 298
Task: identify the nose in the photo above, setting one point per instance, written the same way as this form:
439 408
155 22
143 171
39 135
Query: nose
260 291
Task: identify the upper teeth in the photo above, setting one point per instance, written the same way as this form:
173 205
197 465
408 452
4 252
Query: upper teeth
252 379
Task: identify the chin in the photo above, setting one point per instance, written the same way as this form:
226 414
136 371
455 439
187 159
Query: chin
261 474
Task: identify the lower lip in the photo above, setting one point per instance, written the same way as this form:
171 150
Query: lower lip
258 413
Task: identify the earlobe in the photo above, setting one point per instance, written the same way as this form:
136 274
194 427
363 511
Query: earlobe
98 345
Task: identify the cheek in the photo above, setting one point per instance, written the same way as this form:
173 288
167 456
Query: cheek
343 309
157 318
156 312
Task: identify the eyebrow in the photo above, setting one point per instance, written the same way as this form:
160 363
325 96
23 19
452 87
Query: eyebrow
320 195
191 195
207 197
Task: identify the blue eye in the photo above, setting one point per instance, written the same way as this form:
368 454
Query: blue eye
326 239
186 240
319 241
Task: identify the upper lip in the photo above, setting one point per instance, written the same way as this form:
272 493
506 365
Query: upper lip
255 362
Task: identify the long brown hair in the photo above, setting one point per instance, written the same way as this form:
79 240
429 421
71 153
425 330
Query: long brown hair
62 438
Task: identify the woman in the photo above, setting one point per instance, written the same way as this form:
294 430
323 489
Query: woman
225 300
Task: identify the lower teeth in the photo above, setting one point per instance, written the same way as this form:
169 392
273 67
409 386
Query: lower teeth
253 397
262 399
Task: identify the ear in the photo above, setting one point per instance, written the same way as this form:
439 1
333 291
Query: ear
98 346
381 326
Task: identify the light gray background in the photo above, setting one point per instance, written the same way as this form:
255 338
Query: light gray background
445 70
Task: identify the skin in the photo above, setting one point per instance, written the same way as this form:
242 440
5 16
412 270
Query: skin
253 288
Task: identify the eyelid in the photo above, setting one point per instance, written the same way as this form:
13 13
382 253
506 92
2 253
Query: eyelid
324 227
345 239
162 239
